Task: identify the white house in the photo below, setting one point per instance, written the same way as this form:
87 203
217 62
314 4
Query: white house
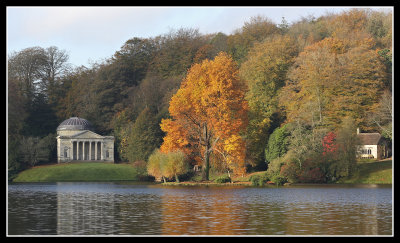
372 145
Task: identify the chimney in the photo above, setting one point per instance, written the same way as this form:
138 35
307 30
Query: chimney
358 130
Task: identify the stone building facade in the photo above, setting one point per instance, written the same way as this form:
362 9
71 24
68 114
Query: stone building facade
76 141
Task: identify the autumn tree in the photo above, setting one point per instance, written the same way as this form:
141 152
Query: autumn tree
333 79
207 110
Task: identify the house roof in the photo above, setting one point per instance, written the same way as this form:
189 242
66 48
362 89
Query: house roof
369 138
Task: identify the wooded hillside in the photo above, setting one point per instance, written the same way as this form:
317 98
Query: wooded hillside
313 75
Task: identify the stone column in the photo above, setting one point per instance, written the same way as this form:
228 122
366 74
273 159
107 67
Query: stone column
77 150
84 150
58 150
71 151
101 150
90 150
95 150
80 150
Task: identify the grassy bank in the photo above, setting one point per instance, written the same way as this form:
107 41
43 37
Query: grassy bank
83 171
372 172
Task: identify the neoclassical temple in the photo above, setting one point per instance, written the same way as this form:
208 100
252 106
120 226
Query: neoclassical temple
77 141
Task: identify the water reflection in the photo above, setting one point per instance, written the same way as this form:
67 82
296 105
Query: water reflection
137 209
108 209
272 211
29 213
202 211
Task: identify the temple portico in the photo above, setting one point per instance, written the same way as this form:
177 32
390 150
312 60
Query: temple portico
76 141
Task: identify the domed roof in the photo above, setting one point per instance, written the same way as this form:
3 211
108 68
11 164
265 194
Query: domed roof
75 123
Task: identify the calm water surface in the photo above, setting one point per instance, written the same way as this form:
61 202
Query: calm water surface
148 209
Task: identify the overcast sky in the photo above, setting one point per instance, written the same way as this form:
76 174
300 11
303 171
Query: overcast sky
91 34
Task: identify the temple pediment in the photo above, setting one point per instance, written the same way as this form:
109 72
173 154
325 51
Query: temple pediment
86 135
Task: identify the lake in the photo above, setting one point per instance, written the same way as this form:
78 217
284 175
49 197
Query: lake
152 209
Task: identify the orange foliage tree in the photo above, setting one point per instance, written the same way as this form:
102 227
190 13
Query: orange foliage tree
208 112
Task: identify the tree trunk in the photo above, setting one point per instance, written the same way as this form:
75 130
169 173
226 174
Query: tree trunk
205 173
206 139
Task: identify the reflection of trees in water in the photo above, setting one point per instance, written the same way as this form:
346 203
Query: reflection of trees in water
206 211
32 213
85 213
107 213
222 212
332 219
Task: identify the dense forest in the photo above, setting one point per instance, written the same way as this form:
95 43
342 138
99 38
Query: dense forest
307 86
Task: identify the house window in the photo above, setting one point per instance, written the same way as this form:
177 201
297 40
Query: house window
366 151
107 154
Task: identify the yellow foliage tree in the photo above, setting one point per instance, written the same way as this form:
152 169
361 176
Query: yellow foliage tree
207 110
332 79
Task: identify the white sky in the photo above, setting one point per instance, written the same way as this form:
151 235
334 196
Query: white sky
96 33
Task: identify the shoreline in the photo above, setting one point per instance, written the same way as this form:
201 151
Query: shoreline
370 173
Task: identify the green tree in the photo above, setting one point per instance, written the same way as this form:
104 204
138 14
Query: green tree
278 144
176 51
167 165
265 72
253 31
145 135
386 59
382 114
175 165
347 141
41 119
155 164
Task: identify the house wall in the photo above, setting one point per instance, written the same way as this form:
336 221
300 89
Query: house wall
374 151
64 150
108 149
